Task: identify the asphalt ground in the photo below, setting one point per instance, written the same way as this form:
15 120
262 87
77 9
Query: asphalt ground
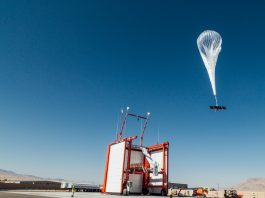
50 194
14 195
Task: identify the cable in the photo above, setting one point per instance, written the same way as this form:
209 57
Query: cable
216 101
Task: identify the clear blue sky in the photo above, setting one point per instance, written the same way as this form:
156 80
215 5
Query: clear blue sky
67 67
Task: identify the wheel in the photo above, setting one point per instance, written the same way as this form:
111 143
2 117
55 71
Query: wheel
163 192
145 191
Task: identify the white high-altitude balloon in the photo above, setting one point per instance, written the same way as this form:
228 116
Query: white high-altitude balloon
209 43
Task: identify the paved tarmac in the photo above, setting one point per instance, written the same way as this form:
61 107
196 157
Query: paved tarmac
51 194
13 195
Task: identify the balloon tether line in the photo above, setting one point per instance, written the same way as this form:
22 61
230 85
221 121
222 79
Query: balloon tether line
216 101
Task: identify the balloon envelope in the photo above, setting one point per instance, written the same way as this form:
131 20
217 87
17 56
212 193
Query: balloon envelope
209 43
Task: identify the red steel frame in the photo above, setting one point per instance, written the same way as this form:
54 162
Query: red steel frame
165 166
106 170
119 137
146 175
128 146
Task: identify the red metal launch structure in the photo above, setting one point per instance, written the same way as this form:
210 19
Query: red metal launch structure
135 169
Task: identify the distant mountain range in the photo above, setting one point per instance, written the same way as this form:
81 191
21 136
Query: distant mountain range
252 184
12 176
